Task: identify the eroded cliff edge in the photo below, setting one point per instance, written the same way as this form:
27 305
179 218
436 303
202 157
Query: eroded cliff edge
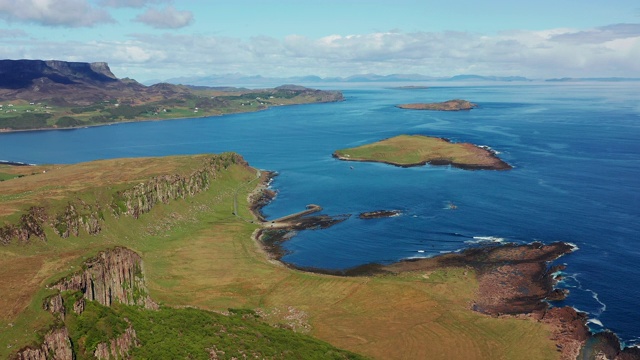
133 201
112 276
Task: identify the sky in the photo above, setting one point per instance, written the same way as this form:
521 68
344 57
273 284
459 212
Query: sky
162 39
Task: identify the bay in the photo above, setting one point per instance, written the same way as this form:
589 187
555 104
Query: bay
574 147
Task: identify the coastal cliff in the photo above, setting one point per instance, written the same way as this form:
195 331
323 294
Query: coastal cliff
114 275
136 200
56 345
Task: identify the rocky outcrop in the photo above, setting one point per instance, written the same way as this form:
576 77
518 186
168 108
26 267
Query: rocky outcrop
568 329
606 346
76 217
119 347
30 224
55 305
161 189
56 345
135 201
112 276
379 214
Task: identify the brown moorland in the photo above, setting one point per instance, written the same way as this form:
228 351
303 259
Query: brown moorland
197 253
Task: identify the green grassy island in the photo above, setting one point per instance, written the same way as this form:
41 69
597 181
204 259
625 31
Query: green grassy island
450 105
417 150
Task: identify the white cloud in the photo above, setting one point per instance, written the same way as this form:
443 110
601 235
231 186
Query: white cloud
131 3
600 34
65 13
534 54
167 18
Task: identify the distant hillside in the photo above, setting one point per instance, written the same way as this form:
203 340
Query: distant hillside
605 79
63 82
37 94
237 79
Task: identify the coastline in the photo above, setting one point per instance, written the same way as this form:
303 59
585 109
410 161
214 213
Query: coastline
7 131
514 280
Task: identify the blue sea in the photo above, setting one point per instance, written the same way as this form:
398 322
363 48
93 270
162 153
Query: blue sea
575 148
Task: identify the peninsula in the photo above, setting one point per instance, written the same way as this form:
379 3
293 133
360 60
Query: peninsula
156 258
417 150
450 105
36 94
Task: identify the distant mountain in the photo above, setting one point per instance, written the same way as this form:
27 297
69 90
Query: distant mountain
603 79
36 94
73 83
18 74
487 78
241 80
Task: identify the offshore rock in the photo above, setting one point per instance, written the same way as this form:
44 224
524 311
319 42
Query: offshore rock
56 345
112 276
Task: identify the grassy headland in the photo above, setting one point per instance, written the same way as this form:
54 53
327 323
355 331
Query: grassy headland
197 254
416 150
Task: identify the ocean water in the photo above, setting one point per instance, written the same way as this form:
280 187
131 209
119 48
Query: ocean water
575 149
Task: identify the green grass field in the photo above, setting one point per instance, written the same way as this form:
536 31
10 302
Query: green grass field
23 115
197 254
413 150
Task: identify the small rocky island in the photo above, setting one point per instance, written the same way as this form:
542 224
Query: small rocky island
418 150
379 214
450 105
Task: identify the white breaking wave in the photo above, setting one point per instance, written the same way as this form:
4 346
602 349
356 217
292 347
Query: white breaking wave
595 321
485 239
574 247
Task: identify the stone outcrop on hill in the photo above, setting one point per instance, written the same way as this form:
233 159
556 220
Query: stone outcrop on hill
76 217
30 224
119 347
111 276
56 345
135 201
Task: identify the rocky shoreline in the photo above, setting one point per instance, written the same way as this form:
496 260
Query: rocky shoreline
514 280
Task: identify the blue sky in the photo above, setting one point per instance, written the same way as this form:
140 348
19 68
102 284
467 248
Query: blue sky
161 39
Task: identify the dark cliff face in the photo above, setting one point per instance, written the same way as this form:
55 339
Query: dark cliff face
18 74
112 276
139 199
